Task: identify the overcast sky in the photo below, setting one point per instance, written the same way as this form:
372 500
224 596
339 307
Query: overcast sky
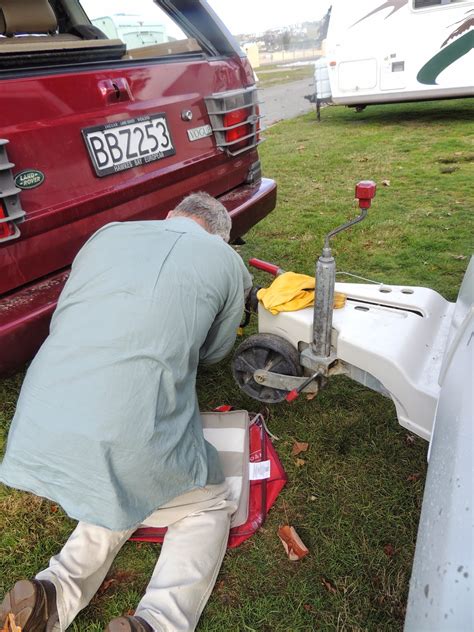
254 16
240 16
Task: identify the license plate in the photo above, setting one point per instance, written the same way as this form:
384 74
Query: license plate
126 144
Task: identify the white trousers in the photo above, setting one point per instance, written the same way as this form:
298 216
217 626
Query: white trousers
198 527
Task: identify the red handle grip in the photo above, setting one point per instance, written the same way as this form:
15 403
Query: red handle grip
364 192
265 266
292 395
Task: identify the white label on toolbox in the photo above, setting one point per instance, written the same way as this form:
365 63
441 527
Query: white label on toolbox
126 144
259 470
199 132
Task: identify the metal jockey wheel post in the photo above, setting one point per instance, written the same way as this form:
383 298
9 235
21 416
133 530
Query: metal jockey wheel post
318 356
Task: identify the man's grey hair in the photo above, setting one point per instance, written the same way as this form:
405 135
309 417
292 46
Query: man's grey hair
209 210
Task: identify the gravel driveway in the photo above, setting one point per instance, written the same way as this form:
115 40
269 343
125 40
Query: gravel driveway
286 101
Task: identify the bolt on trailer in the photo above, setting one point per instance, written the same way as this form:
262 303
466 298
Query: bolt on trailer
112 115
388 52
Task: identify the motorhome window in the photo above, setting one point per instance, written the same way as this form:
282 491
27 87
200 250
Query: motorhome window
145 29
424 4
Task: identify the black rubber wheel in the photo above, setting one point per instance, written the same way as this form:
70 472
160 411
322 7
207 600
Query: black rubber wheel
269 352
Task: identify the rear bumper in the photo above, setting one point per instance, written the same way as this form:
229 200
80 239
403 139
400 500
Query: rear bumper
249 204
25 314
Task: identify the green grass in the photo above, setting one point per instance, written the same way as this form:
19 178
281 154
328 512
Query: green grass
355 501
277 74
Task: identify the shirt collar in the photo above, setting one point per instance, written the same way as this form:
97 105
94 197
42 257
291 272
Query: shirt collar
186 223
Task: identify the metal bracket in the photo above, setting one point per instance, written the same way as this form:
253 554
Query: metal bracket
289 382
317 363
283 382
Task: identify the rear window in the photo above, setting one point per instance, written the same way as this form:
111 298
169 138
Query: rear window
145 29
72 31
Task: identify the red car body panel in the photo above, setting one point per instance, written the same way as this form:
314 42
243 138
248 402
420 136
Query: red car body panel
43 115
25 314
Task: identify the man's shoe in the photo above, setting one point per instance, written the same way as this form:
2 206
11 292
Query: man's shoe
128 624
33 604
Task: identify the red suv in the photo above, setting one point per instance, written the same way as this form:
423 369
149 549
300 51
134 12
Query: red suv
111 115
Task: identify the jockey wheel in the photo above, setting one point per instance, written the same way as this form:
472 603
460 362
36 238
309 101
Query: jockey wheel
267 352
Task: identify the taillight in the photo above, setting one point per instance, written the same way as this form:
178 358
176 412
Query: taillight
11 212
232 119
235 119
6 228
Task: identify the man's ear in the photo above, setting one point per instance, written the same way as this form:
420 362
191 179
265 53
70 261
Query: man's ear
169 215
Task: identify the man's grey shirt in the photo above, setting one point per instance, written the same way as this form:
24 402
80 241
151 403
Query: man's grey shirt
107 424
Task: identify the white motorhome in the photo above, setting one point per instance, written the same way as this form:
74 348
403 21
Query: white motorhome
380 51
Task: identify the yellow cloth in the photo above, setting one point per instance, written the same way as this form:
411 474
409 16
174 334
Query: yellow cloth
291 291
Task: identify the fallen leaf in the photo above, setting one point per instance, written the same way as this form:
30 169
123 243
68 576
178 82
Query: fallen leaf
301 148
313 498
386 183
10 624
54 508
389 550
106 585
409 439
310 396
413 477
300 462
130 613
308 607
328 584
299 447
118 577
458 257
294 547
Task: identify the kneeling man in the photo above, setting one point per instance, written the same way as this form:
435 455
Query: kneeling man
107 423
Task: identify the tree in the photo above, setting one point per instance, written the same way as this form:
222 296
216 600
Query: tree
270 40
285 39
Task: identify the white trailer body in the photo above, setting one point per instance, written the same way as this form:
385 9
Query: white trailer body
413 346
400 50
